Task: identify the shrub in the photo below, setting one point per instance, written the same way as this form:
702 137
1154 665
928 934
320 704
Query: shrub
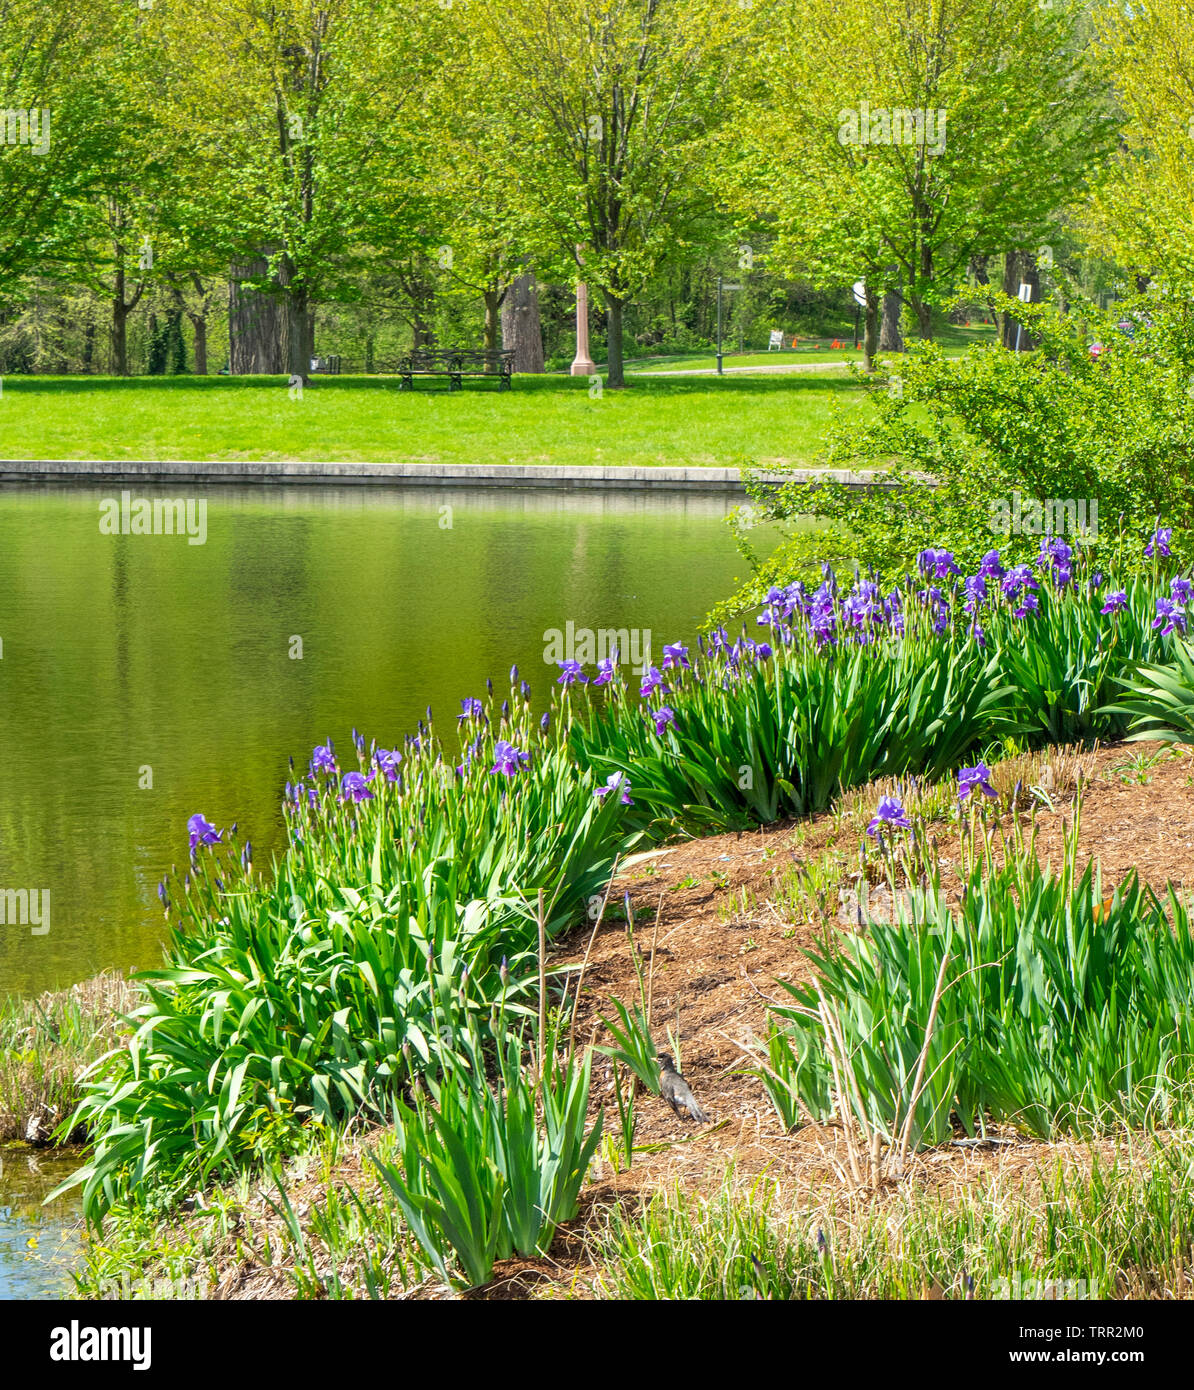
1059 422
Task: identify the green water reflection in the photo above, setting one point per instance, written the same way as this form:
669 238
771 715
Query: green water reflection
127 658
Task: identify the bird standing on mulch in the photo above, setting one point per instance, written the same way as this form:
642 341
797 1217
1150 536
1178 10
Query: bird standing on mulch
676 1091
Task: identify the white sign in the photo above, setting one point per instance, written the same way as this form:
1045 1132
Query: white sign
860 293
1025 295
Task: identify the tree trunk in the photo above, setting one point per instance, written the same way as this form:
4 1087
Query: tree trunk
891 339
297 334
254 324
870 332
615 375
522 330
156 364
1019 268
493 300
1011 283
199 324
422 302
121 309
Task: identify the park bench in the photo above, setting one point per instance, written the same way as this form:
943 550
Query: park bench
328 365
456 364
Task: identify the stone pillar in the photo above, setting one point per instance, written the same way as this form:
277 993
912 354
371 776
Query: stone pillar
582 364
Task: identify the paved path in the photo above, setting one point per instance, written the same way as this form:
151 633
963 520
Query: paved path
777 369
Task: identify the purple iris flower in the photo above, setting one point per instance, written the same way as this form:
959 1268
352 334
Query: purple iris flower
1021 577
1170 617
663 717
1029 603
1158 543
1054 552
889 813
355 788
976 778
387 759
979 635
651 682
545 722
763 651
513 675
975 589
675 655
860 606
1180 590
571 673
324 758
991 568
607 668
473 709
507 759
939 564
202 832
822 616
775 609
615 781
246 856
1115 600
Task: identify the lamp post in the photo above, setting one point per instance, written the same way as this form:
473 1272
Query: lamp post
859 305
721 285
582 363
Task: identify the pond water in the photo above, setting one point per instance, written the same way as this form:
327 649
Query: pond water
38 1244
144 678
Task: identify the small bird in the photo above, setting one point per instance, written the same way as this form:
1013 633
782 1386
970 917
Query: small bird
676 1091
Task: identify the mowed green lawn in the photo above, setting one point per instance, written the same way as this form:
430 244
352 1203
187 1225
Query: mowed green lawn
684 422
954 338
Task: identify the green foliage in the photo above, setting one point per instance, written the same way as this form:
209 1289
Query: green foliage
46 1044
1056 423
316 992
1159 698
633 1045
843 192
756 739
1123 1229
1060 1009
375 942
479 1173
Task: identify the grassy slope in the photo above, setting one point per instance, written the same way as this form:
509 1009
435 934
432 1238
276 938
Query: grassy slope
682 423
